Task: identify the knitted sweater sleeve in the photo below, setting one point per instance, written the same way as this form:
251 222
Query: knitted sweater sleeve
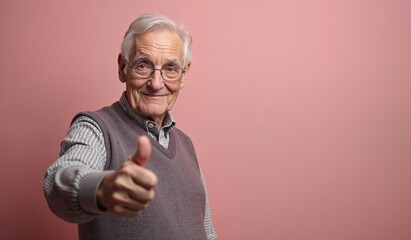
71 183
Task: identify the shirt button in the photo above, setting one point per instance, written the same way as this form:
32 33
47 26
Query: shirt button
150 125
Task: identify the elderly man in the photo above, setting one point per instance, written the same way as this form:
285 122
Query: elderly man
125 171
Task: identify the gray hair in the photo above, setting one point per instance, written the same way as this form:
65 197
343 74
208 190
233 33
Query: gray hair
150 22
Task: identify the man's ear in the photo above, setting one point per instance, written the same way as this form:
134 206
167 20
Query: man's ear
183 80
121 66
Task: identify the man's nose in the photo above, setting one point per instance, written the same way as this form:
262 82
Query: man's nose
156 81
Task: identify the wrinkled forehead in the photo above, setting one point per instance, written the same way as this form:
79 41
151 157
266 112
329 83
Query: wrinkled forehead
159 44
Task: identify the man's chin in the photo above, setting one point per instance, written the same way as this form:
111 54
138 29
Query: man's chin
153 113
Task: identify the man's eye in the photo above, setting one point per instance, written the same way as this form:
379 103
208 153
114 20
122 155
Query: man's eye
142 66
170 69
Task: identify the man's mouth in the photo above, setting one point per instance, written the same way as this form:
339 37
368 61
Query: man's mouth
154 96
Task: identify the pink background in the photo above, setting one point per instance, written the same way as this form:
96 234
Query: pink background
299 110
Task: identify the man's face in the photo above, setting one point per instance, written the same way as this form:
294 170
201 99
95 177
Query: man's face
153 97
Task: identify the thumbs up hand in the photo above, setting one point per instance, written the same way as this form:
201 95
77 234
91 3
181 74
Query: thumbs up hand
129 189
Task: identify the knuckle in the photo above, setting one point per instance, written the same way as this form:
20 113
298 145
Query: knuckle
125 169
150 195
154 180
150 179
116 196
118 182
117 209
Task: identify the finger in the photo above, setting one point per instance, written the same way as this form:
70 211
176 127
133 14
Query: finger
122 211
136 176
141 194
143 151
123 199
139 188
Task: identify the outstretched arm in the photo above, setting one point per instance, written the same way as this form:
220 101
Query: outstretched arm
72 183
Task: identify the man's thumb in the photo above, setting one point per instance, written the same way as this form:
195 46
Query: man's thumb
143 151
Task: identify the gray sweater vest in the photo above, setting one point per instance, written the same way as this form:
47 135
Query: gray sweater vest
178 210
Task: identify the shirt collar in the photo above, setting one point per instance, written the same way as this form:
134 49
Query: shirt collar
148 125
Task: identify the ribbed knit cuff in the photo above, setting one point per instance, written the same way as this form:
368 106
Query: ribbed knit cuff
88 191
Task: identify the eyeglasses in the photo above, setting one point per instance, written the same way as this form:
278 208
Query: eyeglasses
169 72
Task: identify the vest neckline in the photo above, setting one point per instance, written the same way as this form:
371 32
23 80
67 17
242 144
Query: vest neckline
169 152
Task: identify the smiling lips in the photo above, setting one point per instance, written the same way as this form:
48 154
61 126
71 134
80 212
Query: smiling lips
154 96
